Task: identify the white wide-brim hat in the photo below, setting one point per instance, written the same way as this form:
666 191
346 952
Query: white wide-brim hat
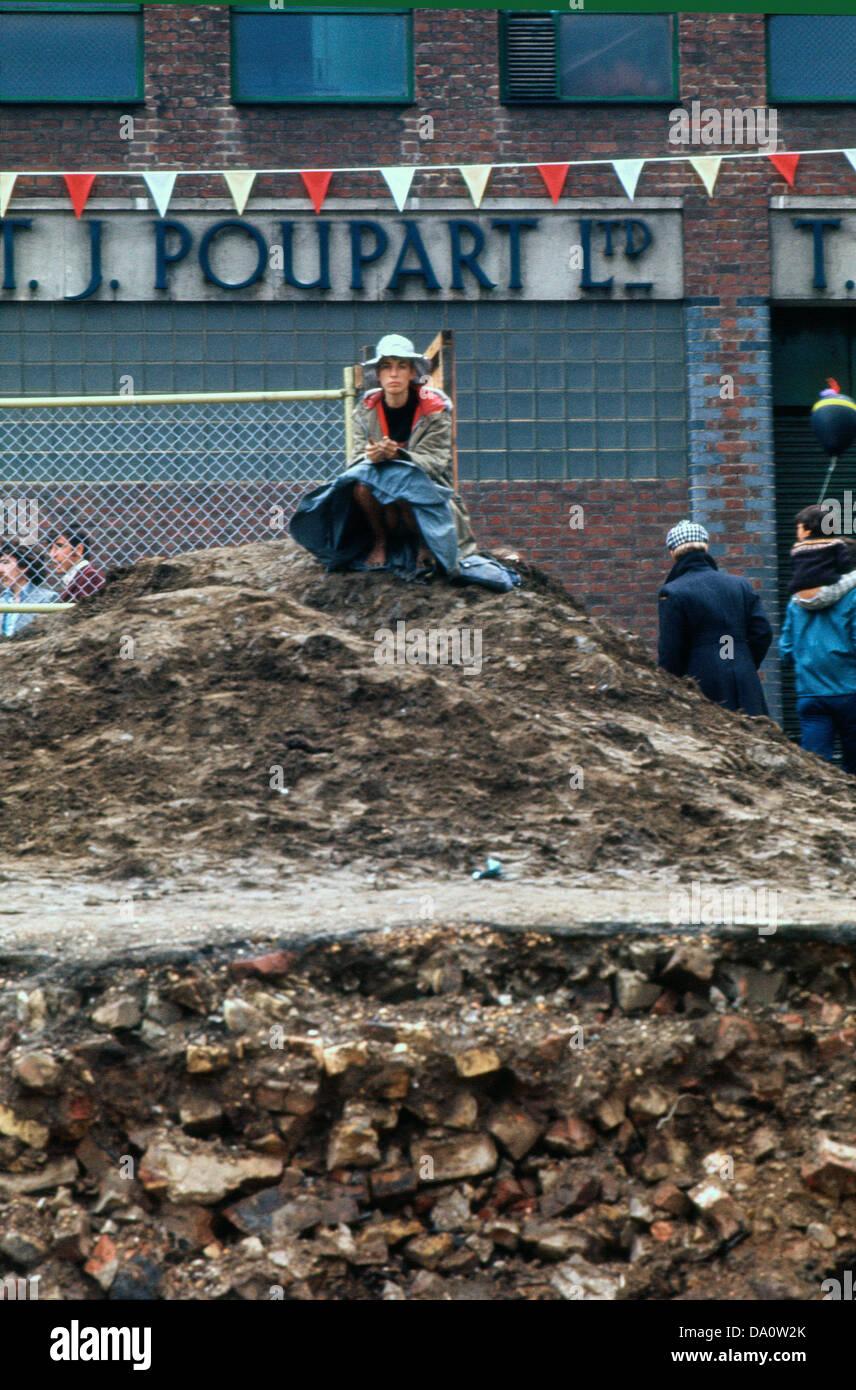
394 345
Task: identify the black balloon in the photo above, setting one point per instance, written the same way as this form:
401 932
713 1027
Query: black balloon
833 419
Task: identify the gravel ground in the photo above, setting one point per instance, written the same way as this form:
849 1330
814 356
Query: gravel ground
66 919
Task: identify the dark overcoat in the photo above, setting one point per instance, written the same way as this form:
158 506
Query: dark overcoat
700 608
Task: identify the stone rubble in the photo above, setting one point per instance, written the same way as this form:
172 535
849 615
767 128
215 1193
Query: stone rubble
365 1120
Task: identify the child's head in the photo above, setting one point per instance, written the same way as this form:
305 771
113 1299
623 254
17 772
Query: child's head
814 521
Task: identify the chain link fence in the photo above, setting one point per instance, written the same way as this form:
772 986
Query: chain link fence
160 474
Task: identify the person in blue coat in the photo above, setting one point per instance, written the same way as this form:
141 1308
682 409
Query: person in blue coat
22 580
712 624
819 640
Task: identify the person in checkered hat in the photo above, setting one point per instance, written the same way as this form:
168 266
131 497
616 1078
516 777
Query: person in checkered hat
712 624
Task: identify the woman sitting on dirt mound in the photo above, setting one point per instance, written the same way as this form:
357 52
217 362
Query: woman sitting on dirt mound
394 507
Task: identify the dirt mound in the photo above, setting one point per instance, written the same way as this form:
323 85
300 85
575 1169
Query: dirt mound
229 705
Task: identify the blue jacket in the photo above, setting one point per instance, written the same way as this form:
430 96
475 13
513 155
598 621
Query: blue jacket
11 623
821 645
713 628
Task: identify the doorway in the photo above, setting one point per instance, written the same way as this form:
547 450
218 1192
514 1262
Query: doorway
808 345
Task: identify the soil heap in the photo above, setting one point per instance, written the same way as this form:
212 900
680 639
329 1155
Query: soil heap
228 705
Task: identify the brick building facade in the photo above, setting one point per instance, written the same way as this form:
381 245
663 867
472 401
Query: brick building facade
611 402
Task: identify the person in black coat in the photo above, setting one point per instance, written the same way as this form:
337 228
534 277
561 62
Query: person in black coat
712 624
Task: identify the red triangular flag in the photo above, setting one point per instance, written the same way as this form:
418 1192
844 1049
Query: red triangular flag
554 176
79 187
316 182
786 165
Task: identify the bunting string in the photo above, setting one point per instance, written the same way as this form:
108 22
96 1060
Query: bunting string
398 179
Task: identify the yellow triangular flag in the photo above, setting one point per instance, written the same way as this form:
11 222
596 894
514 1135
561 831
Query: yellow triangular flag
239 186
475 176
160 188
7 183
707 168
398 181
628 170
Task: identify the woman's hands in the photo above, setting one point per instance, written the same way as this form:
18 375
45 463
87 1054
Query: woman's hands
381 450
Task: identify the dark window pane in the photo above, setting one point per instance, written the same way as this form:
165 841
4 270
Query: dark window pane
615 56
332 57
812 57
56 56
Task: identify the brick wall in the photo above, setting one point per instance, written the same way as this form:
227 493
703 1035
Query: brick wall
615 563
188 120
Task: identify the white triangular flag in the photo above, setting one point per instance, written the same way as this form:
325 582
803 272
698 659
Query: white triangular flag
398 180
7 183
628 170
160 188
707 168
239 186
475 176
848 154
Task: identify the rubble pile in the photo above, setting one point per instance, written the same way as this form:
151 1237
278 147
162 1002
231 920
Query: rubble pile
229 706
441 1114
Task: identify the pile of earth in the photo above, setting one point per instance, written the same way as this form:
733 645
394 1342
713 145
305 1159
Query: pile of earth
228 705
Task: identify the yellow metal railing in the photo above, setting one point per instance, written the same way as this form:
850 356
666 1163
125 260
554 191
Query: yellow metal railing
35 607
347 394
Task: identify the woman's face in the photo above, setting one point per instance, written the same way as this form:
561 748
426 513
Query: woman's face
11 572
395 374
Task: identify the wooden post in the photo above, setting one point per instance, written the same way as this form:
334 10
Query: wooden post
440 354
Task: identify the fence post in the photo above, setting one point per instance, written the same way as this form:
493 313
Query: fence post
350 400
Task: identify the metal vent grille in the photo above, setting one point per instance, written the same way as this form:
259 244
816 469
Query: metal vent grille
530 58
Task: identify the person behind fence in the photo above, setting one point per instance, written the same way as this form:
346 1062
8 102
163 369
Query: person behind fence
712 624
395 506
818 639
69 552
23 580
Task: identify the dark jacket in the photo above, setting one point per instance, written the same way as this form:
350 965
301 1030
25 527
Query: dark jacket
818 561
700 606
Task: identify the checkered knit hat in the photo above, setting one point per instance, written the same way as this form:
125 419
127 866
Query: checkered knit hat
686 533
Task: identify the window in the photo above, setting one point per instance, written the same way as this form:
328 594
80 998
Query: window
71 53
811 57
588 57
321 55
